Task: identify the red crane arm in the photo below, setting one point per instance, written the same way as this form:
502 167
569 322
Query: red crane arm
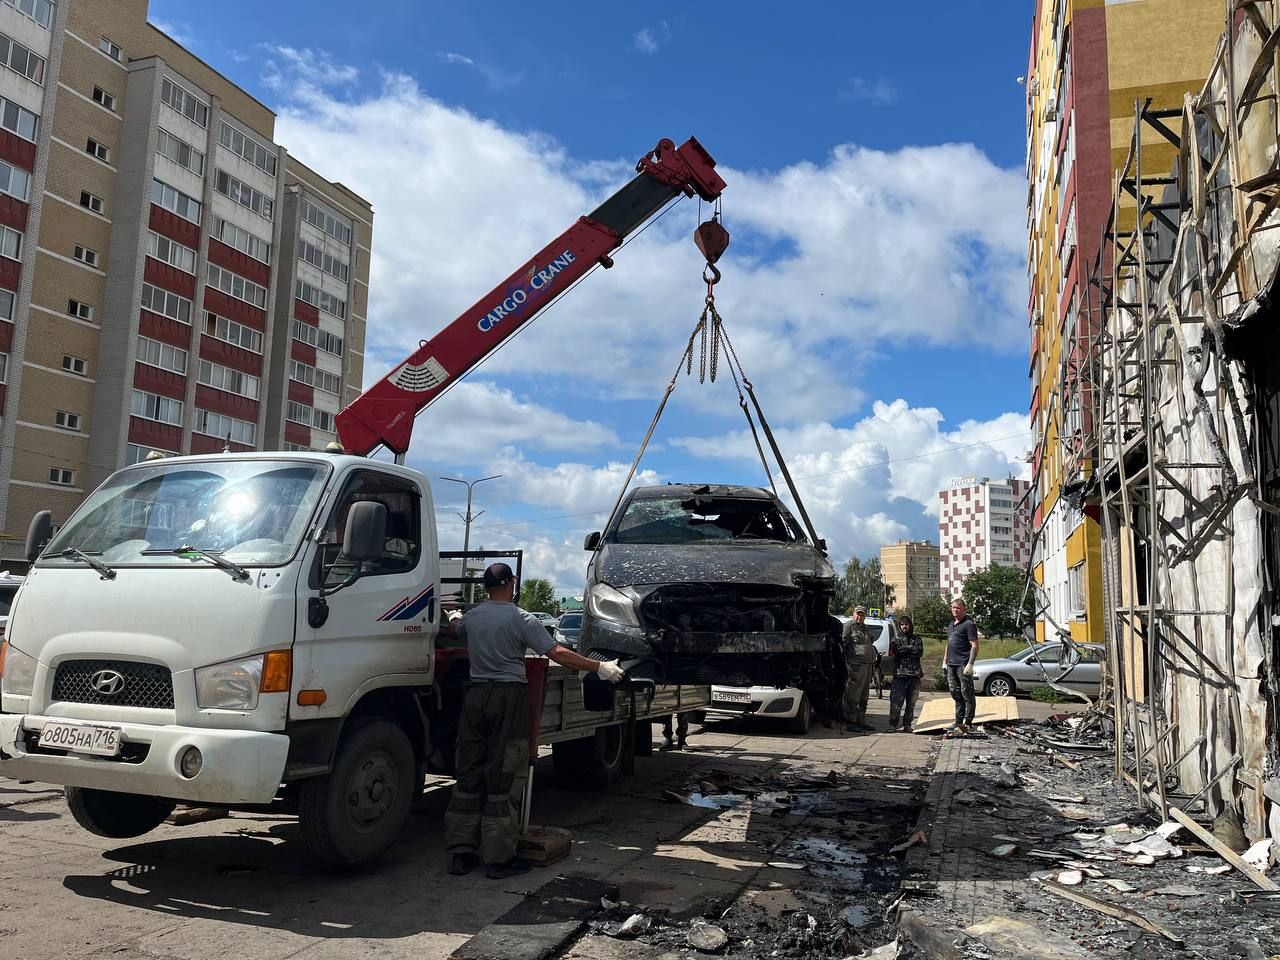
384 414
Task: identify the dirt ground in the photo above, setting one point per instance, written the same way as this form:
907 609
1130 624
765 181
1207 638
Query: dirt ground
780 841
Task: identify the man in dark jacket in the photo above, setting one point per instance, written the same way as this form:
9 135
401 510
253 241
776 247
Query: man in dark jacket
962 652
906 650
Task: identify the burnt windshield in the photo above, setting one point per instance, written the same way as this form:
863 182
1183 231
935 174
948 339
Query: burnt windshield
670 520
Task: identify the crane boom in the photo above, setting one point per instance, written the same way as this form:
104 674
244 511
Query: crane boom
384 414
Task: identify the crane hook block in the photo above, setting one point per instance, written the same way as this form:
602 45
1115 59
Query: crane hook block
712 239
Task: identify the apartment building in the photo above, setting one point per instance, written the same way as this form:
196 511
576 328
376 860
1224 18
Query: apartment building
1089 62
981 522
911 569
170 278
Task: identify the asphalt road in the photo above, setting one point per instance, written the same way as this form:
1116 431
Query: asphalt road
238 887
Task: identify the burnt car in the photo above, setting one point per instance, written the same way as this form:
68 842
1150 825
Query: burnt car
710 584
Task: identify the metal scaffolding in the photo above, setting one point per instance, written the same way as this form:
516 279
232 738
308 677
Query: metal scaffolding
1169 433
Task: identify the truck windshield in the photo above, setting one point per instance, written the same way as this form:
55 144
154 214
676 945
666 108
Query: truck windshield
248 511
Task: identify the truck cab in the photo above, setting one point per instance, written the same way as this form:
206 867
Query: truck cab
231 630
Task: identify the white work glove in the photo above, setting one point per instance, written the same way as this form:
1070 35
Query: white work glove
968 670
453 615
609 670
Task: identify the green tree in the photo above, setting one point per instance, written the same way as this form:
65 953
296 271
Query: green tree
862 583
538 595
931 615
992 596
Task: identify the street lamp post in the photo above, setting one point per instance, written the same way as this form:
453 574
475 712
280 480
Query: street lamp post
466 534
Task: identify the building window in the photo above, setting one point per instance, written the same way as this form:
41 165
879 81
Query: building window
232 381
329 343
242 240
185 102
112 50
243 194
171 252
237 286
166 196
179 151
10 243
18 120
298 413
14 180
329 224
67 421
41 11
107 100
98 150
236 334
4 368
90 202
1076 583
320 379
318 258
322 420
166 304
74 365
305 332
245 146
85 255
79 310
151 406
18 58
162 355
225 428
319 298
62 476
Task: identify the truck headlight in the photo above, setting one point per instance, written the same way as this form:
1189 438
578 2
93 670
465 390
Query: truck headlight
608 603
232 685
17 671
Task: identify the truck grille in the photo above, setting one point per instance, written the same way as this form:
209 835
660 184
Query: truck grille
141 684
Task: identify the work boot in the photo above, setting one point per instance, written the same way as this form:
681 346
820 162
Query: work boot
681 744
462 863
512 868
667 744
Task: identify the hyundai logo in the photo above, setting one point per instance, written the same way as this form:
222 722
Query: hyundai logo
107 682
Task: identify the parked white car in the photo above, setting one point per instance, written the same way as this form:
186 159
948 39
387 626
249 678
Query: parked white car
788 704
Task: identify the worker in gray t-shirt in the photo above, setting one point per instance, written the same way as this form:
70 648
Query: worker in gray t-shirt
493 731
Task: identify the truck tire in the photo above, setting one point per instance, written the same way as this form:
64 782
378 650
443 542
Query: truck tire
119 816
590 763
799 724
356 812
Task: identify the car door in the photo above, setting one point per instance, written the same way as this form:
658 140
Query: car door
1032 670
1087 676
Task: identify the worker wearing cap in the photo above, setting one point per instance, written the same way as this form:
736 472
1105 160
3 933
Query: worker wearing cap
860 655
493 731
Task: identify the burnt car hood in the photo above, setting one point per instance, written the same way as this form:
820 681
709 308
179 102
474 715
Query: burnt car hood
646 565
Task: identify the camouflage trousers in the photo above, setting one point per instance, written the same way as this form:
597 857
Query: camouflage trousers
857 690
493 750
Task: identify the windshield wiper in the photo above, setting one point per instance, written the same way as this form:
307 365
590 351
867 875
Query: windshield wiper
75 553
237 572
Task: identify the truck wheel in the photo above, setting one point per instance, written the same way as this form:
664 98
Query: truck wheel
116 815
590 763
799 724
355 813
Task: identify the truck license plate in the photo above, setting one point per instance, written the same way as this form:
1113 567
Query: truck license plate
81 738
732 698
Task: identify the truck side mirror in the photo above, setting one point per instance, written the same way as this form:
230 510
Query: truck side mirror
39 533
366 533
591 541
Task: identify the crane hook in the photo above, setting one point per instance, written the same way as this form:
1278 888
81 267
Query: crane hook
712 239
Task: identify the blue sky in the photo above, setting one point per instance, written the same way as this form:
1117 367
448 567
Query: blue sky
875 284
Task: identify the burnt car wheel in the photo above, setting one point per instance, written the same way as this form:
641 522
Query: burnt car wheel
800 723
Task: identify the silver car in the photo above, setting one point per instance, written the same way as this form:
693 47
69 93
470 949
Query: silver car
1023 671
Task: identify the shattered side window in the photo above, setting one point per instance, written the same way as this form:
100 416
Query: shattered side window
670 520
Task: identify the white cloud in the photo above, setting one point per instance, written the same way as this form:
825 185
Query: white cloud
879 91
306 72
178 32
650 39
496 77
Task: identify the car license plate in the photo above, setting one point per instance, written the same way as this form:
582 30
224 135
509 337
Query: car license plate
81 738
732 698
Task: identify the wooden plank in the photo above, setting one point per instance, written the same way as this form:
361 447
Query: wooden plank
1114 910
938 715
1259 879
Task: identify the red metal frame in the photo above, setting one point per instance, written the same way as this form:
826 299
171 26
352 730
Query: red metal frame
383 415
